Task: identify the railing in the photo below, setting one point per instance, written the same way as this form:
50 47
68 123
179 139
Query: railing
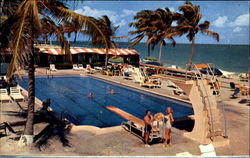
218 99
205 96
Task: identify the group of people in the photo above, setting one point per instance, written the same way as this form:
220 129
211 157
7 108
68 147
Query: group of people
168 120
91 95
116 69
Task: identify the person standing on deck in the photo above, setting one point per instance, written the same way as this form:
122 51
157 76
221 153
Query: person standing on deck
147 129
168 122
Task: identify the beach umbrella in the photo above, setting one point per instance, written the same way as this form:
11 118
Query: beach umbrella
116 60
215 71
153 63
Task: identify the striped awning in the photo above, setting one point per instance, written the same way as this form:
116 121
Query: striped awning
5 51
77 50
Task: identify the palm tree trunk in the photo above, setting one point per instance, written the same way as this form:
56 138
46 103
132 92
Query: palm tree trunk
148 49
29 130
160 53
192 54
29 126
106 58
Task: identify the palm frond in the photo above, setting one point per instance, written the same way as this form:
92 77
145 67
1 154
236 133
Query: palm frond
211 33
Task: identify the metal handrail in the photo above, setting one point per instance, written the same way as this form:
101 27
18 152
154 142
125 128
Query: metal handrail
209 104
219 97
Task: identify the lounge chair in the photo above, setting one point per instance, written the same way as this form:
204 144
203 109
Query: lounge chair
236 92
4 95
75 67
52 67
127 76
15 94
80 67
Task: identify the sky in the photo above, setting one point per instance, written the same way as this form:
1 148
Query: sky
228 18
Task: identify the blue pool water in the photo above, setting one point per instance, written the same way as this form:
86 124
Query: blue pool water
68 95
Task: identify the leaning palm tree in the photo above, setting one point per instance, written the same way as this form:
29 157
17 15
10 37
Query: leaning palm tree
143 27
21 30
188 22
162 21
108 30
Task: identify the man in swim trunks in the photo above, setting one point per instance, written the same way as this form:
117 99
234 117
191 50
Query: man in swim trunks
147 129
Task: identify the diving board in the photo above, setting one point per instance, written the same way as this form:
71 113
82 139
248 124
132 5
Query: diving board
126 115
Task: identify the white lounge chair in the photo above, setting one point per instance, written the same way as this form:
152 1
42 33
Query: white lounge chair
75 67
80 67
4 95
52 67
15 94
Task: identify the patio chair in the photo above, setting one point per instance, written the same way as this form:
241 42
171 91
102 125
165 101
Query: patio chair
15 94
4 95
80 67
75 67
52 67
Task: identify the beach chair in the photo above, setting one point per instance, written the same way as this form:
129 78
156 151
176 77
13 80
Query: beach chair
52 67
75 67
4 95
236 92
15 94
127 76
80 67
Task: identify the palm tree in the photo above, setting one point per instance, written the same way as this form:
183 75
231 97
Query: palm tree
143 27
162 21
188 22
20 31
108 30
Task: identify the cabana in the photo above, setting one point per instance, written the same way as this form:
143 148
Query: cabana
93 56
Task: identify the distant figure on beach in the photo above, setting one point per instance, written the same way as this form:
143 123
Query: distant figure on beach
147 128
90 95
168 122
112 91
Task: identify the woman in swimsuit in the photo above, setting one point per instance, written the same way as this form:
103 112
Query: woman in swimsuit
168 121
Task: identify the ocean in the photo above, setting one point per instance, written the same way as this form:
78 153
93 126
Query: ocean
229 58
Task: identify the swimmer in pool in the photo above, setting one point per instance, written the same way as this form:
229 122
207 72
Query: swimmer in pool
112 91
90 95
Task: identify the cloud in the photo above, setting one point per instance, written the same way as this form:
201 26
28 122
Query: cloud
220 21
121 23
242 20
237 29
172 9
127 12
113 16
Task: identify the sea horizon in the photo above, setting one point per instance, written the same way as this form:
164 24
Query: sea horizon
229 58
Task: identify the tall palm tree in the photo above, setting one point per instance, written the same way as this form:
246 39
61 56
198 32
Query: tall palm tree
108 30
162 20
143 27
188 22
22 28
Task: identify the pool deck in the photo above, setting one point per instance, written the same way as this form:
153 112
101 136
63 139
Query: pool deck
89 140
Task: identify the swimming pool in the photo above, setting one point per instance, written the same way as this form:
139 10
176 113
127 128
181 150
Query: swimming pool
68 96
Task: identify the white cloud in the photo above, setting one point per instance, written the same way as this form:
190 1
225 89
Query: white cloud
127 12
113 16
242 20
172 9
237 29
220 21
121 23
